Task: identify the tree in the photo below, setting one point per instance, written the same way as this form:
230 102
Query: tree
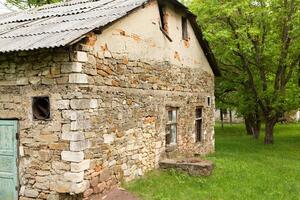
257 44
25 4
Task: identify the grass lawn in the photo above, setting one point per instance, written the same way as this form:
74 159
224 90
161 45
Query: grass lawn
245 169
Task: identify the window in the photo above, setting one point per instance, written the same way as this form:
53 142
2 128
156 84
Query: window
208 101
41 108
171 129
163 18
198 124
185 35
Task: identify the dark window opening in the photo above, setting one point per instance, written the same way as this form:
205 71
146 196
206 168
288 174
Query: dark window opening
208 101
185 34
163 18
171 128
41 108
199 122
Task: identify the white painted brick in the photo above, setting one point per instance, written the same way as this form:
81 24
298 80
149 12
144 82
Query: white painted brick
74 176
80 167
73 136
72 156
78 78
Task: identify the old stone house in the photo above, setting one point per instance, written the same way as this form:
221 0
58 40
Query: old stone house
94 92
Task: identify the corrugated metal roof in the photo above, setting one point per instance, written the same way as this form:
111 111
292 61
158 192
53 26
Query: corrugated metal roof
59 24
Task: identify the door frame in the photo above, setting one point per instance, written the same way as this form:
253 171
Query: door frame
15 122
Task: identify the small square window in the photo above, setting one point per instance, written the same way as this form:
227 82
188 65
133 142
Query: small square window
41 108
171 128
185 34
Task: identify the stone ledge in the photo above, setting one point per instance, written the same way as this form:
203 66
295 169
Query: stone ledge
192 166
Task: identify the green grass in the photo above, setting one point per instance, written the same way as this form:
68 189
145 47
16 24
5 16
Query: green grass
245 169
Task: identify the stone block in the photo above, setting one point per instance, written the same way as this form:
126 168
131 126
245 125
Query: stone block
74 126
58 165
63 104
74 176
34 80
72 156
78 188
71 67
48 81
81 56
78 145
69 114
48 138
88 193
73 136
108 138
78 78
22 81
79 167
62 186
93 103
31 193
81 104
105 175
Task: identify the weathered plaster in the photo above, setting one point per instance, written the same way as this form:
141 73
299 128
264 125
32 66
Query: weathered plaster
138 36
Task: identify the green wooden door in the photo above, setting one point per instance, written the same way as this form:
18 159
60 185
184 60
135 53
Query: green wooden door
8 160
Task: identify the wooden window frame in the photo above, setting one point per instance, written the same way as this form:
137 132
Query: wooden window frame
184 27
199 120
171 123
163 21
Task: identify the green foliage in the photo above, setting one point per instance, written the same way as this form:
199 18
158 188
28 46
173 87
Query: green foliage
25 4
245 169
257 45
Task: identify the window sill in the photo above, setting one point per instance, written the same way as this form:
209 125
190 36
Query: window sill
171 147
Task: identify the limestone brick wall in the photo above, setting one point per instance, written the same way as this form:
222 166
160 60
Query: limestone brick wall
108 118
50 161
127 136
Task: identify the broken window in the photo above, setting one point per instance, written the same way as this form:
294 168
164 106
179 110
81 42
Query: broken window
198 124
171 129
185 34
41 108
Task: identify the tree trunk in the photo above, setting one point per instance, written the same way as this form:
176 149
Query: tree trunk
269 132
222 118
253 124
230 116
257 124
248 125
